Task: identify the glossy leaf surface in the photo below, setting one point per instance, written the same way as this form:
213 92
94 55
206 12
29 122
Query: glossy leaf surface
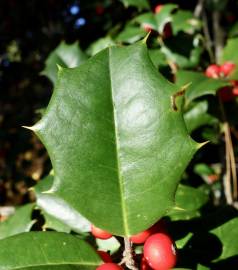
47 251
58 214
114 137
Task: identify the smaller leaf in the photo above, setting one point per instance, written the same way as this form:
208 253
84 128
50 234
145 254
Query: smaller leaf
130 34
58 209
47 250
99 45
227 233
188 201
140 4
19 222
200 84
197 116
157 57
182 242
164 16
184 21
64 55
147 19
111 244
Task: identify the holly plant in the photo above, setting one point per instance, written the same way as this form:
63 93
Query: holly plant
129 129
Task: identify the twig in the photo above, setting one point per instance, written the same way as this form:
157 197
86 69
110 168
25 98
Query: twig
218 35
198 9
128 259
208 40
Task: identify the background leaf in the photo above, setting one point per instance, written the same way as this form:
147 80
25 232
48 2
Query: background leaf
46 250
56 208
19 222
200 84
141 4
64 55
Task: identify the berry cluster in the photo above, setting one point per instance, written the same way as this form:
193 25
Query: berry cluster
167 32
227 93
159 252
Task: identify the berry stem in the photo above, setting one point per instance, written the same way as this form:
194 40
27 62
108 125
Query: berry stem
128 259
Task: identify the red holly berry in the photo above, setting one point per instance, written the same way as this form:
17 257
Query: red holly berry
109 266
99 233
141 237
105 256
227 68
144 265
158 8
167 32
213 71
146 27
160 252
235 91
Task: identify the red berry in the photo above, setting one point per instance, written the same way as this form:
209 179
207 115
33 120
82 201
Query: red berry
144 265
235 91
141 237
227 68
99 233
105 256
158 8
109 266
167 32
160 252
213 71
146 27
99 10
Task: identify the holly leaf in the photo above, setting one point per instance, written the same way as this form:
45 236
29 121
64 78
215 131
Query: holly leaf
200 84
47 250
188 201
58 214
197 116
112 137
230 54
140 4
64 55
99 45
112 244
19 222
130 34
226 234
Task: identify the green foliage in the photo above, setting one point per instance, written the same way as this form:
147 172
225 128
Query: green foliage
65 56
129 161
141 4
47 250
19 222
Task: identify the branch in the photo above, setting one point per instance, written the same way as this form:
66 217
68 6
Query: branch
218 35
199 8
128 259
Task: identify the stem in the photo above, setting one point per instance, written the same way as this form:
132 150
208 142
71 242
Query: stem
128 259
218 35
208 40
199 8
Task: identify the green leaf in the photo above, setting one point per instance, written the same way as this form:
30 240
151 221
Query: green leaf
148 19
113 137
227 233
55 209
182 50
47 250
157 57
197 116
140 4
130 34
64 55
230 53
164 16
188 201
100 44
111 244
200 84
19 222
183 20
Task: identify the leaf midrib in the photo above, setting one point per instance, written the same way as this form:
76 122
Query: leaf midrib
117 145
